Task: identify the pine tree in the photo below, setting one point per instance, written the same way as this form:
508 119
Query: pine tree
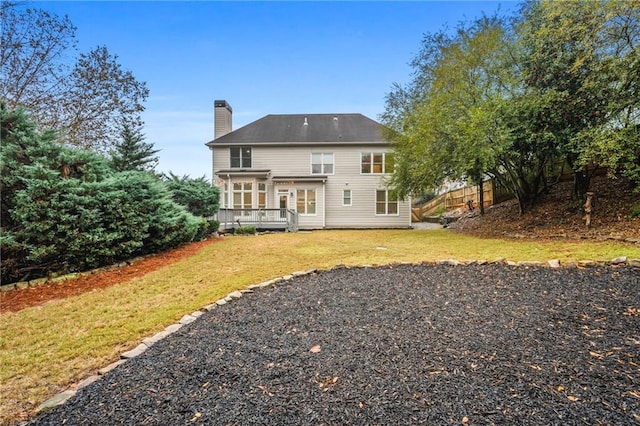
131 152
198 195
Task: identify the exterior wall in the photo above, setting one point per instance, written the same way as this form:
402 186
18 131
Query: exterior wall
305 221
330 211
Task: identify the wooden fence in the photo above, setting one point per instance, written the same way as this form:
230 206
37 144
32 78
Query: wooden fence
459 198
462 197
418 214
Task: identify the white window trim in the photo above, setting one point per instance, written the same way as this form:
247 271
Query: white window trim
386 204
350 198
242 192
306 190
322 154
384 163
265 192
241 157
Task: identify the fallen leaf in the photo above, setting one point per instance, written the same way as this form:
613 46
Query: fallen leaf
196 416
465 420
265 390
315 349
597 355
572 398
560 388
635 394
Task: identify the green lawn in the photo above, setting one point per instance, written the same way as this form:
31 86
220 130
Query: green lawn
46 348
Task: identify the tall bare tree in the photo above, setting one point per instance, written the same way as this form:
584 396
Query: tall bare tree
83 96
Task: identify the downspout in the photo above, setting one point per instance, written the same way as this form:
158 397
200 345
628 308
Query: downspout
229 192
324 203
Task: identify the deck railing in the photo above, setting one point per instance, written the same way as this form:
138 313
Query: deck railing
284 219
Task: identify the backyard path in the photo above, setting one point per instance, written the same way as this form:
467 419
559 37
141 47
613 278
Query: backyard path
408 344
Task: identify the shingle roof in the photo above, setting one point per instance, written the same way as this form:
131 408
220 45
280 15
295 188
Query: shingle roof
291 128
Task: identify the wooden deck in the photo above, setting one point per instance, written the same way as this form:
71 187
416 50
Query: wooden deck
262 219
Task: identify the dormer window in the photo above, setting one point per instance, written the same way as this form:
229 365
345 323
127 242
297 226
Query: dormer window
240 157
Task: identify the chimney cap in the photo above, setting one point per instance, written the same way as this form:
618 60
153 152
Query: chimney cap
222 104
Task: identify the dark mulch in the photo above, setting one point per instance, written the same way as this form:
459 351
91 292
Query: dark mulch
395 345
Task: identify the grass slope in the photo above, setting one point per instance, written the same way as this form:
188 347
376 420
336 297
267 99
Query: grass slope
46 348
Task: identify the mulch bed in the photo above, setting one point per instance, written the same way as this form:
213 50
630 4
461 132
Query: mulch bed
477 345
15 300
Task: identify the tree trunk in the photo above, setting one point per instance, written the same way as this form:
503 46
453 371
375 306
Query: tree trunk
581 182
481 196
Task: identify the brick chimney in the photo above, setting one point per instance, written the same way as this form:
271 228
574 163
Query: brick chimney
222 118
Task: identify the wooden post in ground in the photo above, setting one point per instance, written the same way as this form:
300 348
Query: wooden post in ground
587 209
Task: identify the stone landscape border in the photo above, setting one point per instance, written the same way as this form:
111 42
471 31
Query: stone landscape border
61 398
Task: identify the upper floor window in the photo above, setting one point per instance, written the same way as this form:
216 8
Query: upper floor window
322 163
377 162
240 157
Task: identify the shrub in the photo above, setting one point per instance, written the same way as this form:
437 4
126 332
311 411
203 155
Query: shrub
245 230
635 211
64 209
207 228
197 195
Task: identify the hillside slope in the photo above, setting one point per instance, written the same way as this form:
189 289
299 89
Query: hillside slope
556 216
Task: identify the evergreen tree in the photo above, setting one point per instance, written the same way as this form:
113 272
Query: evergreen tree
131 152
198 195
64 209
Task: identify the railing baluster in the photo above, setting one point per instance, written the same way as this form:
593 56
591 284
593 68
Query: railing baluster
286 219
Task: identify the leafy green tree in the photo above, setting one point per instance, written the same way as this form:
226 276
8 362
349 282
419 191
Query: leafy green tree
84 98
445 123
131 152
584 55
511 99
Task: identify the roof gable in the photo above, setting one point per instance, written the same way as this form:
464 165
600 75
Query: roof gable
306 128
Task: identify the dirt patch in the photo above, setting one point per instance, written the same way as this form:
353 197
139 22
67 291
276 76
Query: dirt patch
16 300
557 217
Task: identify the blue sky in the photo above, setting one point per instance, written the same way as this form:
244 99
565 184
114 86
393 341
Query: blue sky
261 57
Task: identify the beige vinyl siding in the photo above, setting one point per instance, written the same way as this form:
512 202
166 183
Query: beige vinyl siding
361 213
314 221
296 161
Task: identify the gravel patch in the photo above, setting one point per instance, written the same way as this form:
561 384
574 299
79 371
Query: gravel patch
408 344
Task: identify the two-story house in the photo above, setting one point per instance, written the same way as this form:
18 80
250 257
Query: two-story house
328 168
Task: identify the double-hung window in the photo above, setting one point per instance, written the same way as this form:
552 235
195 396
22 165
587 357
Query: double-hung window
306 201
376 162
242 195
225 194
346 197
322 163
262 195
240 157
386 202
